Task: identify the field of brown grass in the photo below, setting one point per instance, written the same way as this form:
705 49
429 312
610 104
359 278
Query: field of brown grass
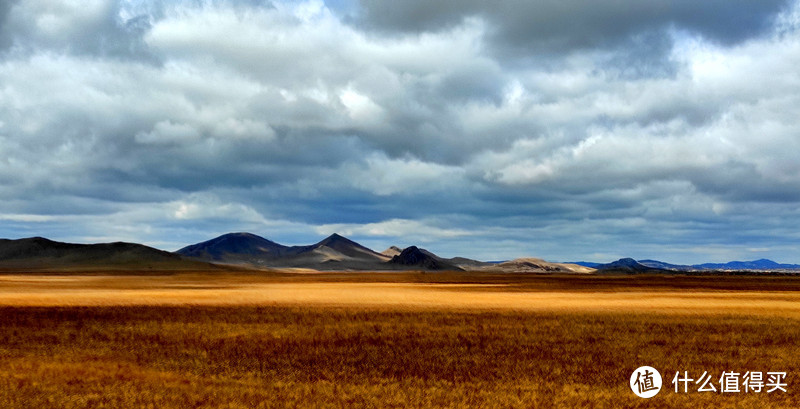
388 340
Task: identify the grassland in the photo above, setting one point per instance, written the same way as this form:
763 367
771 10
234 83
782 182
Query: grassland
388 340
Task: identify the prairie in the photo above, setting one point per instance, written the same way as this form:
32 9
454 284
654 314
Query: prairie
388 340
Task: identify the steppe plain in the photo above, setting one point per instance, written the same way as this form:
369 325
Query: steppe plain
402 339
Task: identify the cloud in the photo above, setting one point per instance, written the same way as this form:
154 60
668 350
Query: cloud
575 24
553 129
383 176
94 27
419 230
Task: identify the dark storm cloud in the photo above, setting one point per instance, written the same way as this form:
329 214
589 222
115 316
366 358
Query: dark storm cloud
563 25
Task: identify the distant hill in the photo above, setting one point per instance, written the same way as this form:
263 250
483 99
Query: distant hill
536 265
665 266
41 254
335 252
628 266
756 265
461 262
416 258
655 266
392 251
348 248
236 248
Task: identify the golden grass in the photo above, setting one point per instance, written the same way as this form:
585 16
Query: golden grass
341 341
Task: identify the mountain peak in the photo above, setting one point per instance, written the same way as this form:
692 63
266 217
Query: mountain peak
346 246
627 264
392 251
414 256
336 237
241 243
764 261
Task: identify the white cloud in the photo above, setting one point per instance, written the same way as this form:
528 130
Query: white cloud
167 132
227 114
32 218
384 176
360 107
423 230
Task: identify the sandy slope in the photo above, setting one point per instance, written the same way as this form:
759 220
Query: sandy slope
537 265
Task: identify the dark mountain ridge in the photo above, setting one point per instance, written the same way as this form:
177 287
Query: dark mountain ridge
38 253
418 258
757 265
238 245
334 252
628 266
631 265
347 247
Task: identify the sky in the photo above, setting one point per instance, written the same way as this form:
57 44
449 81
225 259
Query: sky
566 130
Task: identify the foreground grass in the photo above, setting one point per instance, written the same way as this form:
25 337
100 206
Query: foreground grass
332 357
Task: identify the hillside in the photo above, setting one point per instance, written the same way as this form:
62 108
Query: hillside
413 257
41 254
535 265
628 266
236 248
334 252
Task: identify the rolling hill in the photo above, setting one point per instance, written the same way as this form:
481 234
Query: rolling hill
41 254
413 257
628 266
235 247
334 252
536 265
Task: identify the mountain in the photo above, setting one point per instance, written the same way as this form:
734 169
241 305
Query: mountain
348 248
629 266
468 263
756 265
665 266
460 262
417 258
334 252
392 251
236 248
536 265
41 254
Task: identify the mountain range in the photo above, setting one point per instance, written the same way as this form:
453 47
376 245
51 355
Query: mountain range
333 253
755 265
630 265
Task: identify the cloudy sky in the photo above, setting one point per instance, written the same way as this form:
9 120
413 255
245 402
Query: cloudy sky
567 130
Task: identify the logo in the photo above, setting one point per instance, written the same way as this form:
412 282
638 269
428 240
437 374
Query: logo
645 382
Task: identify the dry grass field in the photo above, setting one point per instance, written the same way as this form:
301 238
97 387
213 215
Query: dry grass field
396 340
